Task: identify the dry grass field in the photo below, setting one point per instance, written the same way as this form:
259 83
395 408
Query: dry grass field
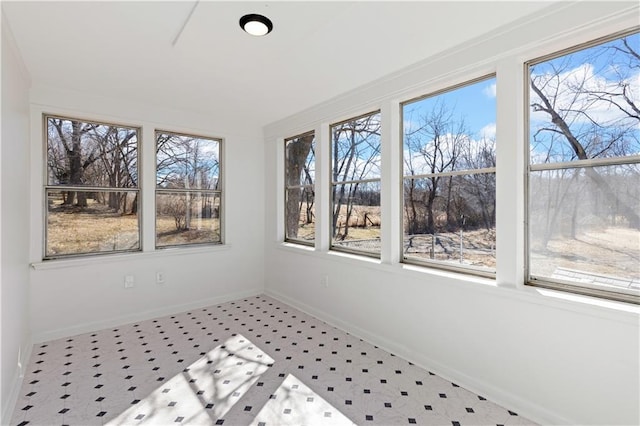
613 251
307 231
96 228
608 251
364 223
478 247
74 230
201 231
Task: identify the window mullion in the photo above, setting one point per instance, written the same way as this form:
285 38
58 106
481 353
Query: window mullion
390 194
147 186
323 187
510 166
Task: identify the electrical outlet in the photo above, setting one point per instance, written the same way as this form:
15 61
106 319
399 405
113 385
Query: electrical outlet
325 281
128 281
160 280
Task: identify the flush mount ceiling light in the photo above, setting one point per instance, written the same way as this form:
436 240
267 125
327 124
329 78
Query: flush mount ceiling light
256 25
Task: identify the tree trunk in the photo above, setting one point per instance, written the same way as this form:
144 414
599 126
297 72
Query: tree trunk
451 221
611 196
431 227
297 152
412 228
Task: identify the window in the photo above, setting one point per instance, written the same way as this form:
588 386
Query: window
449 180
355 185
299 178
584 170
188 190
91 189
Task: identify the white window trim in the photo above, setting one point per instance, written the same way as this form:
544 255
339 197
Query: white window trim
567 30
448 266
308 243
619 295
147 179
220 191
331 184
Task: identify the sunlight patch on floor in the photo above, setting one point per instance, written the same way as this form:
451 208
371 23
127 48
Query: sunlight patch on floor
294 403
205 390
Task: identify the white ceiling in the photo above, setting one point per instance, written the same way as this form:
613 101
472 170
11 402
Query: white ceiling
316 51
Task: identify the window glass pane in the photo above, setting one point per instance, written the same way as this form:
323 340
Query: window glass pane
300 160
451 131
449 215
451 219
299 188
584 226
355 149
187 218
356 216
301 214
108 222
584 105
91 154
188 162
355 156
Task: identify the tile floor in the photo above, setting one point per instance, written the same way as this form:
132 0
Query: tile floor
255 361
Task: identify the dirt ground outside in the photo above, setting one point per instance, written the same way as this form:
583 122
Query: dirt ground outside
613 251
201 231
470 248
93 229
96 229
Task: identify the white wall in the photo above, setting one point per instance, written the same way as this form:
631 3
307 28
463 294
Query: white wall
551 356
73 296
14 223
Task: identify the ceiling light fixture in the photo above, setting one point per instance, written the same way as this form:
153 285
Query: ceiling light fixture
256 25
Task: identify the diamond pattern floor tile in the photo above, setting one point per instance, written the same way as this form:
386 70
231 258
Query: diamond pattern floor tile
254 361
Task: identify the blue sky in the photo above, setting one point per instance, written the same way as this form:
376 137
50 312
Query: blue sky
602 68
598 68
475 103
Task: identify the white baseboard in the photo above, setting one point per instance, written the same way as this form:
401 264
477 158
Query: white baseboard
141 316
523 407
9 402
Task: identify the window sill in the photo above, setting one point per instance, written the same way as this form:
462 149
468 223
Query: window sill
611 309
295 246
423 270
553 299
126 257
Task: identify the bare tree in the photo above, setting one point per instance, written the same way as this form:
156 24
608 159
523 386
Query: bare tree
69 133
480 187
298 163
433 147
116 149
187 163
356 155
588 117
91 154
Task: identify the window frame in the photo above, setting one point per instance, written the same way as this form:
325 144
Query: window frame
332 184
46 187
220 192
428 263
310 243
530 279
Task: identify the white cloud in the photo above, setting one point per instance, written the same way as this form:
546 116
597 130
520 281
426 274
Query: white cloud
488 131
490 91
569 92
466 149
